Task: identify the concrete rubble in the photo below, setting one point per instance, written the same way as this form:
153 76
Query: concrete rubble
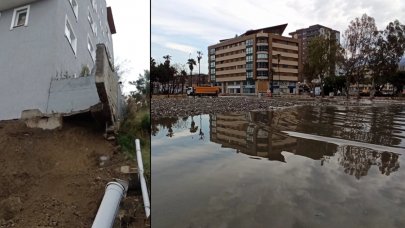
187 106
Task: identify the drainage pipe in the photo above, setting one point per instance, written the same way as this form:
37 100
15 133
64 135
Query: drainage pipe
110 204
144 188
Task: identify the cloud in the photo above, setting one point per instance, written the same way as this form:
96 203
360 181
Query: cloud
199 24
181 47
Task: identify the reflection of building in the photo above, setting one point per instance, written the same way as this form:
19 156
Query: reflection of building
251 134
259 134
244 64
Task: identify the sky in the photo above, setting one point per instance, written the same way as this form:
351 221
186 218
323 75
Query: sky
180 28
131 43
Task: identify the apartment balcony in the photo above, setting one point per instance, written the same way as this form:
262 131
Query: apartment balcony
242 62
261 34
9 4
262 44
285 46
226 50
228 57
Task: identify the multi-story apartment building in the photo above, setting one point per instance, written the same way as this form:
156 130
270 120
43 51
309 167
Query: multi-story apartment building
304 35
255 62
42 40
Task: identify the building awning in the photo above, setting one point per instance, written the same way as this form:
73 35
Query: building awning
110 20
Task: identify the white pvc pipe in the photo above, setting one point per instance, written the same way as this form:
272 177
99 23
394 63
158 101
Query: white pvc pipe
109 205
144 188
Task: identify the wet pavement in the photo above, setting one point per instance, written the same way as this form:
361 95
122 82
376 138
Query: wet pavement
308 166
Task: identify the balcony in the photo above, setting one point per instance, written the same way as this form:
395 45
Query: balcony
9 4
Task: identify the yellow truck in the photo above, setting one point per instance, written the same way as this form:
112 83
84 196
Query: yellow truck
203 91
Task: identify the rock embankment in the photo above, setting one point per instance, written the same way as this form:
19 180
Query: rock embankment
186 106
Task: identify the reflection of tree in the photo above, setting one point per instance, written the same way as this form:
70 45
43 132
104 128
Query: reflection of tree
388 163
164 122
193 128
201 134
170 132
357 161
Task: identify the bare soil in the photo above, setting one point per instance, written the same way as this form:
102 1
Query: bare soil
54 178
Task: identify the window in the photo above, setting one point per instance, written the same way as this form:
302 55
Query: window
249 74
212 64
262 73
94 4
90 47
70 35
249 66
20 17
75 7
249 42
92 24
262 48
212 51
249 58
262 65
249 50
212 57
213 71
262 56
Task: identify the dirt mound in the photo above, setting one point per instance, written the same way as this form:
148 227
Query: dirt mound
53 178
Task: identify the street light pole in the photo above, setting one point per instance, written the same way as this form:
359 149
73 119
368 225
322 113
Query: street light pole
199 56
279 82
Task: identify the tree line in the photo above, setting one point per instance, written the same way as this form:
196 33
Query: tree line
172 78
365 51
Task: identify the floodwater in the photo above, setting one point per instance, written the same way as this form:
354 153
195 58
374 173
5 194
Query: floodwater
296 167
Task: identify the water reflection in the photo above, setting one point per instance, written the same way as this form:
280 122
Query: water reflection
242 170
259 134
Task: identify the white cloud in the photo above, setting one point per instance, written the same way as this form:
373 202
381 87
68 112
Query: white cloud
181 47
202 23
132 40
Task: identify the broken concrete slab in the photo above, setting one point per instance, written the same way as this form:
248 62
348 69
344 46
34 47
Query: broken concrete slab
36 119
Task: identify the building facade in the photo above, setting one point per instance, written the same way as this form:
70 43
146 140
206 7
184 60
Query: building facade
43 40
255 62
304 35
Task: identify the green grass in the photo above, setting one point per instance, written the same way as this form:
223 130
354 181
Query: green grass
136 126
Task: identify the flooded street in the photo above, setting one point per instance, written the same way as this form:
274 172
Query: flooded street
309 166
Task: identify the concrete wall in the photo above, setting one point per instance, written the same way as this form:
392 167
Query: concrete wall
107 84
30 56
26 60
69 96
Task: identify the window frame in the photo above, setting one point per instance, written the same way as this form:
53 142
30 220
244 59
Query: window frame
90 44
72 43
93 25
75 9
15 15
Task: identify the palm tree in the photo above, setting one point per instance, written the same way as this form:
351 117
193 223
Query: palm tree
191 63
199 56
167 59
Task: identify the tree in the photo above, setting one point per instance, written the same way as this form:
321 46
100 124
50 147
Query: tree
191 63
387 50
358 39
398 81
199 56
323 52
142 85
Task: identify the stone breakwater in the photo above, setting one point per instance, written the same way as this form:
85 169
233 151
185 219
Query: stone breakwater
186 106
